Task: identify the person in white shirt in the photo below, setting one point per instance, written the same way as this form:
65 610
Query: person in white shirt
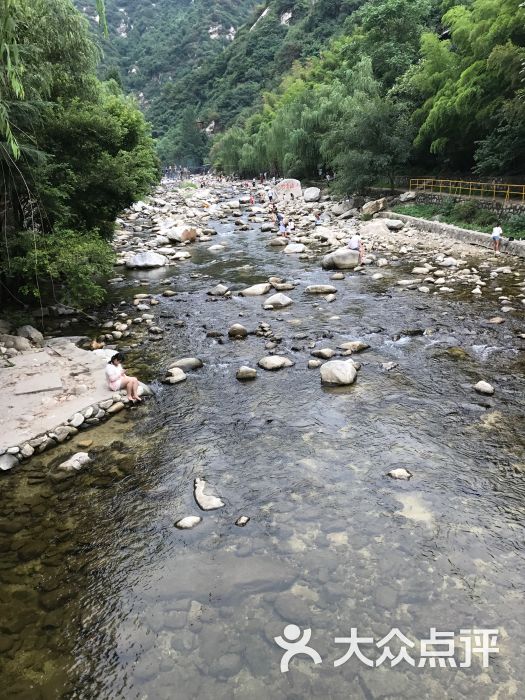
497 235
118 379
355 243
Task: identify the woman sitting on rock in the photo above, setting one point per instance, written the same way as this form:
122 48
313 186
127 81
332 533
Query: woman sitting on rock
118 379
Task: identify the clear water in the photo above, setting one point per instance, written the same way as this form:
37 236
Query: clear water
102 597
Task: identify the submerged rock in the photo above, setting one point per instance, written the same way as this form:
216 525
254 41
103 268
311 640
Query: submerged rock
320 289
204 501
76 462
189 522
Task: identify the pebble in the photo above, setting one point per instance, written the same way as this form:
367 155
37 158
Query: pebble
400 473
242 521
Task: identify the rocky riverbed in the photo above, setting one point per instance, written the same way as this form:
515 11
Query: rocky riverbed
325 441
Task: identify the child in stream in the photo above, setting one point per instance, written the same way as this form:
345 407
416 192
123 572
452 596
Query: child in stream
118 379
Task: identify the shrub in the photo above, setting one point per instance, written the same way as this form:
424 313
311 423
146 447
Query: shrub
515 224
465 211
485 218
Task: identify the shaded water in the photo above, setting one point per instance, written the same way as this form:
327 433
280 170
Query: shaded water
101 597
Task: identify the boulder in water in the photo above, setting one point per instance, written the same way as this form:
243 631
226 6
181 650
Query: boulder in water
277 301
338 372
272 363
256 290
189 522
341 259
400 473
245 373
484 388
147 260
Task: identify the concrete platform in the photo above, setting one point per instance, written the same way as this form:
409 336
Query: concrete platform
47 387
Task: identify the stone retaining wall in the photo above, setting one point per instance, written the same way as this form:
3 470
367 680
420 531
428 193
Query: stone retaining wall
498 206
459 234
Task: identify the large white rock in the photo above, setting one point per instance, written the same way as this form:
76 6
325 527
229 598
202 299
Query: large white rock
407 196
7 462
373 207
394 224
484 388
182 233
277 301
288 189
149 259
341 259
31 334
204 501
274 362
256 290
338 372
400 473
312 194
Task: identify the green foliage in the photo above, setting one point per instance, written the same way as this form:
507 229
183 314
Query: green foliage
515 225
85 152
465 211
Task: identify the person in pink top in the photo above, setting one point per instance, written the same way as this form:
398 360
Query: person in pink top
118 379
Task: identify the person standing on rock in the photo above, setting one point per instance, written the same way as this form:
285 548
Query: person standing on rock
118 379
497 235
356 243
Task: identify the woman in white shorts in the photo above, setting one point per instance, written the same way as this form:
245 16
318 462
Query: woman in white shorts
497 235
118 379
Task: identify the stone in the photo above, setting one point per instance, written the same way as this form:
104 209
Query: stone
272 363
245 373
294 248
374 207
320 289
242 521
496 320
312 194
389 366
407 196
147 260
186 364
175 376
484 388
27 451
314 364
205 501
217 248
115 408
337 276
288 189
353 346
169 293
278 241
189 522
77 420
277 301
218 291
400 473
237 331
338 372
31 334
76 462
256 290
323 353
341 259
63 432
393 224
7 462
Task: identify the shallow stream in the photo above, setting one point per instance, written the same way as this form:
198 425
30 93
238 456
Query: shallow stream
102 597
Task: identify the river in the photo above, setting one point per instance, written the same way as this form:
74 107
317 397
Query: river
102 597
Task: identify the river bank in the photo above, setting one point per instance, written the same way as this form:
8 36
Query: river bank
111 597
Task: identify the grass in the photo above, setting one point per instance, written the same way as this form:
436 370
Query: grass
466 215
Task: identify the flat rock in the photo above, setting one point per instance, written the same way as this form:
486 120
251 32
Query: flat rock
186 364
320 289
273 363
353 346
205 501
175 376
39 383
147 260
294 248
256 290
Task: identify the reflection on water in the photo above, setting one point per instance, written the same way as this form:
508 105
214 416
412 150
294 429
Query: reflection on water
102 597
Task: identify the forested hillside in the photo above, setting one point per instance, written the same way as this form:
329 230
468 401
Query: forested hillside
437 86
74 151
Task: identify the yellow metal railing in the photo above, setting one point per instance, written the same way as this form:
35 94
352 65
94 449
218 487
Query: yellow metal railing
492 190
